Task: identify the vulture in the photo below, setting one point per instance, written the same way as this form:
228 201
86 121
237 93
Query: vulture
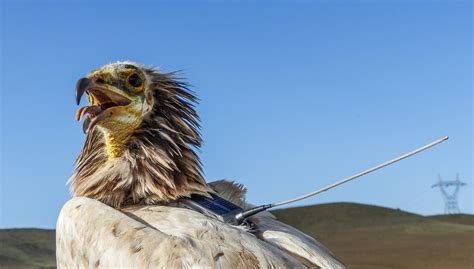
138 162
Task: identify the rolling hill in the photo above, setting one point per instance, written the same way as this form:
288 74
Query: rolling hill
362 236
27 248
367 237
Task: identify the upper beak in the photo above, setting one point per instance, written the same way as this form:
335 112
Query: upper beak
82 86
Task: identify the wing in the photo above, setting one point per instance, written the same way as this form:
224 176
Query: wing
301 246
92 234
290 240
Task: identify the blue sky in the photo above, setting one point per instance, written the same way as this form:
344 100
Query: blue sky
294 95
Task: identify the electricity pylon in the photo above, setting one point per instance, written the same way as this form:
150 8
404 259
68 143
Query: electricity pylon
450 199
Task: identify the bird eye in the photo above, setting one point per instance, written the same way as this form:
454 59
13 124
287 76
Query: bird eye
135 80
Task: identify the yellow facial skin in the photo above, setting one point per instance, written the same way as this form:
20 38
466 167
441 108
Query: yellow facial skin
118 128
118 123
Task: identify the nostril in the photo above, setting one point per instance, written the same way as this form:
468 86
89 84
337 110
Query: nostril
99 81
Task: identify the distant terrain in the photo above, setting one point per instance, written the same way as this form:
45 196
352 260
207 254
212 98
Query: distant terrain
27 248
362 236
372 237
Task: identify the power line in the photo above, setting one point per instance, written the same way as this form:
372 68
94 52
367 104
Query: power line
450 199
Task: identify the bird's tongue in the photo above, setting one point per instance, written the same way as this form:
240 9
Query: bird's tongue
91 110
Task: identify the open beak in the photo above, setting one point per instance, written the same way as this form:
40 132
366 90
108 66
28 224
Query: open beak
102 98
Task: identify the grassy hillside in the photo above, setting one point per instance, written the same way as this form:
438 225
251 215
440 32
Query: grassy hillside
362 236
366 237
458 218
27 248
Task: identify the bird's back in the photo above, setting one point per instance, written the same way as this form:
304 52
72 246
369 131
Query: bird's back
92 234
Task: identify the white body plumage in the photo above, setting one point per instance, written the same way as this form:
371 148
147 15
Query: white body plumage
91 234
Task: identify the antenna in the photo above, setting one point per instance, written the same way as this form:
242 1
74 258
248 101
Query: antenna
239 218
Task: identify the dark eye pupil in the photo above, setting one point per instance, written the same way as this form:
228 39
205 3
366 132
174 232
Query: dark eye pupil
135 80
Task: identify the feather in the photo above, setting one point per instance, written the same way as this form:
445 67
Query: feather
158 164
122 214
92 234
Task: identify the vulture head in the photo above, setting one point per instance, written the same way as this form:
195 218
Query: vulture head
141 135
